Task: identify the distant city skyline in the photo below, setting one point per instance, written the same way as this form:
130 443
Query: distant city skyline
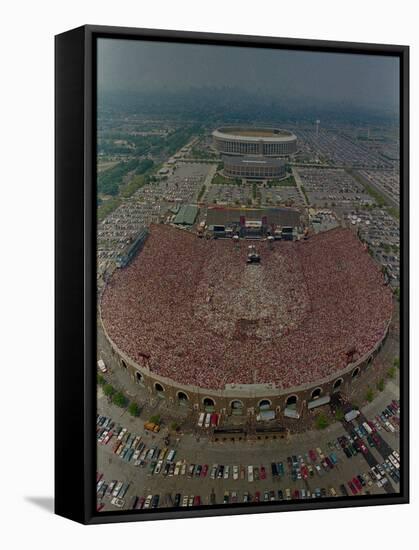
364 81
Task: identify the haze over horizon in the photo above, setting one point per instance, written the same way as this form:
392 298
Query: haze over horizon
301 77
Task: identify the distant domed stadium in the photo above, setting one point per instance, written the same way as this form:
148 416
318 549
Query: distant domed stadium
254 153
267 142
195 323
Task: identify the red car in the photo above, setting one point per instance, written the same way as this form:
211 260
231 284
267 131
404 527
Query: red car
329 462
204 470
312 455
140 503
304 471
296 494
257 496
357 483
352 487
363 448
214 419
262 472
197 501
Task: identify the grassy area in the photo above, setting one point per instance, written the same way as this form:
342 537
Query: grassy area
380 199
201 154
132 186
201 193
369 396
288 182
126 190
107 207
305 194
321 421
218 179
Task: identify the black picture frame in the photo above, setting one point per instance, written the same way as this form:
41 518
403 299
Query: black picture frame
75 270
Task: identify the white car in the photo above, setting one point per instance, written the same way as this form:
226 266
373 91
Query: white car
376 473
122 433
201 420
118 487
213 473
148 501
118 502
102 366
392 428
99 485
226 472
396 455
250 473
157 469
136 442
177 468
185 500
183 469
235 472
171 455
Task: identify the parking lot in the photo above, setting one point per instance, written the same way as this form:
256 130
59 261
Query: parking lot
309 465
330 187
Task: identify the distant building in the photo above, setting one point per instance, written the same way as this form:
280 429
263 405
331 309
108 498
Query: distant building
253 152
254 167
187 215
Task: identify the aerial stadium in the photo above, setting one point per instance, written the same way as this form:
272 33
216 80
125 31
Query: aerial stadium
198 324
254 153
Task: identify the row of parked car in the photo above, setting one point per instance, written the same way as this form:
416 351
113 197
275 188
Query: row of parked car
229 497
130 447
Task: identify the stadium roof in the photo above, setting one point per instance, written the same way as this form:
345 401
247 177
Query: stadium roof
268 135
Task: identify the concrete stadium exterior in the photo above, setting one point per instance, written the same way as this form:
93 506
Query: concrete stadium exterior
267 142
246 399
255 167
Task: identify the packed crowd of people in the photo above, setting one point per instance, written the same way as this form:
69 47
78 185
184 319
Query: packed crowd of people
205 317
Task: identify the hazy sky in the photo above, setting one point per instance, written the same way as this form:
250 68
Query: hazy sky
131 65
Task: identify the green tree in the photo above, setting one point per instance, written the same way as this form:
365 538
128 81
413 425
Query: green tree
134 409
339 415
391 373
100 380
380 385
321 421
155 419
369 396
396 362
119 399
108 390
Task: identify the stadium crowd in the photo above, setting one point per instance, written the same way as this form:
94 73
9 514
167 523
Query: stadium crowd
207 318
